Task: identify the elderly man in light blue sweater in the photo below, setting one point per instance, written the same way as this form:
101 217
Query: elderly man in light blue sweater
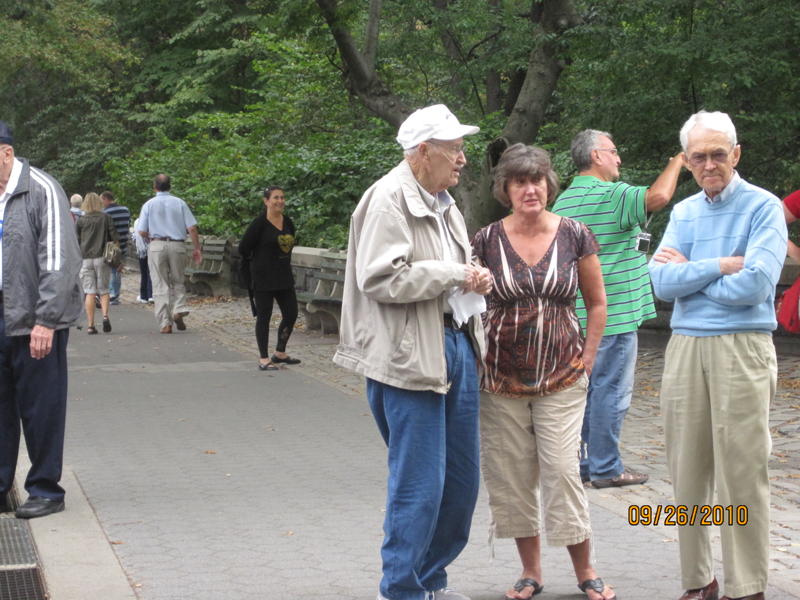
719 260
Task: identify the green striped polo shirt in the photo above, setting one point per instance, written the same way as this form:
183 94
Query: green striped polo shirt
614 211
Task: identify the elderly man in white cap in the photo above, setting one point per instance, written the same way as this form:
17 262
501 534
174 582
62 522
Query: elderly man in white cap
411 325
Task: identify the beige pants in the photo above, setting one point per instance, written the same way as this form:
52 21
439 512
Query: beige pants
167 263
532 444
715 397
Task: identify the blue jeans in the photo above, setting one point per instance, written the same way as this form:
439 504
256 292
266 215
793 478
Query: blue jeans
115 285
433 473
608 400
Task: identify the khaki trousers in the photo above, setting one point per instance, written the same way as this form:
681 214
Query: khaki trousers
167 263
532 444
715 398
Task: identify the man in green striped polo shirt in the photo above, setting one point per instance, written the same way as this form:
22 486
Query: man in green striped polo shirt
615 212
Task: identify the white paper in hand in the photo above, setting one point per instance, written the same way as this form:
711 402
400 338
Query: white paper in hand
466 305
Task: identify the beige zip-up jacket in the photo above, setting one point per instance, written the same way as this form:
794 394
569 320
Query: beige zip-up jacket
392 328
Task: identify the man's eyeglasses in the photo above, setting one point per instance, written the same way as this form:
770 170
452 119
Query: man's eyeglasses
449 149
718 157
613 151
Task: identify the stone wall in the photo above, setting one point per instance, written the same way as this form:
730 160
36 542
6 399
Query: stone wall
307 261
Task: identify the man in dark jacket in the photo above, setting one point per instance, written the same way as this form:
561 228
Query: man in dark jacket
40 299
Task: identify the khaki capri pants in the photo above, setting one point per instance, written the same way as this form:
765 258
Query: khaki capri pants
95 275
530 448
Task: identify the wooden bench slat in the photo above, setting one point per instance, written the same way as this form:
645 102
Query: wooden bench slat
329 276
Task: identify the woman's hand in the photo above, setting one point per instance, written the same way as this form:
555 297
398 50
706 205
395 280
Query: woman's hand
588 359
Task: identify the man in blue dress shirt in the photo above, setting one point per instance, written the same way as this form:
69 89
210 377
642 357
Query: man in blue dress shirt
166 219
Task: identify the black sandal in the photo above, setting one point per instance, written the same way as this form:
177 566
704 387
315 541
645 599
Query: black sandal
287 361
267 367
106 325
91 330
596 585
521 584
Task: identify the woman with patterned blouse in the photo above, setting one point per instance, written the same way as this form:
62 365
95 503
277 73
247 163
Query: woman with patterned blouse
537 367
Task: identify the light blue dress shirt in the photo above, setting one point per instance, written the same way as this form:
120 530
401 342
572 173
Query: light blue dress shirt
166 216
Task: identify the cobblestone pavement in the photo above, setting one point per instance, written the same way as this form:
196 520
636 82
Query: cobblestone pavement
214 481
230 322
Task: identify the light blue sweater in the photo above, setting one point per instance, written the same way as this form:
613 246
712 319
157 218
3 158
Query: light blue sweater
745 221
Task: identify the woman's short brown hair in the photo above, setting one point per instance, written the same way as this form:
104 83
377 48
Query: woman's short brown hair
523 162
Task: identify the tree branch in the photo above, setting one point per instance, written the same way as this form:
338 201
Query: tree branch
544 68
373 27
344 41
361 77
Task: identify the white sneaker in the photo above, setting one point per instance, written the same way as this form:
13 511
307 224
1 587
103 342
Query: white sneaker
448 594
141 300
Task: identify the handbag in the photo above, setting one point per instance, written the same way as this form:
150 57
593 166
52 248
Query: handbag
788 307
112 255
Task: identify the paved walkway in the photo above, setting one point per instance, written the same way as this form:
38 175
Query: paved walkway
199 477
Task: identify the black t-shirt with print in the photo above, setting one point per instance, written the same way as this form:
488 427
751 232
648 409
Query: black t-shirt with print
271 251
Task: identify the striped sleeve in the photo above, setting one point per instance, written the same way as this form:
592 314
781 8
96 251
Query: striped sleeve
58 252
629 205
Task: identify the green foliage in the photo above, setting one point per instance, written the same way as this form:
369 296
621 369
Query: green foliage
57 87
222 176
229 96
641 68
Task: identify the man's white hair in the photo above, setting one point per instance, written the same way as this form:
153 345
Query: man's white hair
411 152
716 121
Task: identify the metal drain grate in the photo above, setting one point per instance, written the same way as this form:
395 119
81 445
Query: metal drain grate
16 544
20 577
23 584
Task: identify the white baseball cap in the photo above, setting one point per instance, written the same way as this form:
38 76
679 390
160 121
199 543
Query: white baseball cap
432 123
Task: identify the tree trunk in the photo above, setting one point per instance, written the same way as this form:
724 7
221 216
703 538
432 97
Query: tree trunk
544 67
527 116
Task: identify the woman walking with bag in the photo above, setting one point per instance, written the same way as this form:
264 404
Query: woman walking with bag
268 243
95 228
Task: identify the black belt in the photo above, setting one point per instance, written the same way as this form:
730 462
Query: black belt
160 239
451 324
1 296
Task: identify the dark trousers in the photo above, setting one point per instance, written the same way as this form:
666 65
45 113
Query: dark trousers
33 393
287 302
145 283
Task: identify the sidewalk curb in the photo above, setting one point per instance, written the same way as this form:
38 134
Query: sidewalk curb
76 558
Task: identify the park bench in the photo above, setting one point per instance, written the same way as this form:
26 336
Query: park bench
212 276
323 297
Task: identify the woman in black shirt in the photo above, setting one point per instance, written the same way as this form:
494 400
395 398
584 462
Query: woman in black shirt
268 243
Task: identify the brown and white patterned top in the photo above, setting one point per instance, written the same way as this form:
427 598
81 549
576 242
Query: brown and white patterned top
534 340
